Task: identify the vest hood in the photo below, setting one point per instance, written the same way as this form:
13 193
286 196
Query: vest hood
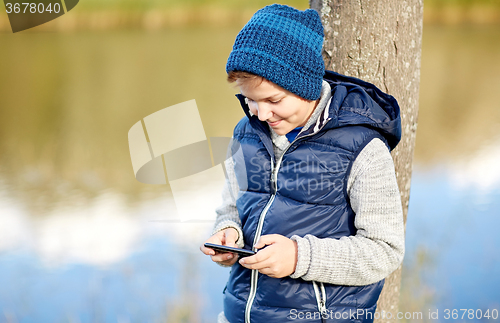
356 102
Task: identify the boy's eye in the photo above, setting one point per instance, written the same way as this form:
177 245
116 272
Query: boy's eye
275 102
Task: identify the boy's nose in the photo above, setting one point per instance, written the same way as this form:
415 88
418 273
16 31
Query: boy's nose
264 112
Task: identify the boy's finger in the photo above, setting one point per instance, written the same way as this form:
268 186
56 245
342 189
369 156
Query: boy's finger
266 240
256 265
215 239
230 237
229 262
220 257
259 257
207 251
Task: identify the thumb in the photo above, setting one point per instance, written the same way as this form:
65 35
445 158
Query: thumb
265 240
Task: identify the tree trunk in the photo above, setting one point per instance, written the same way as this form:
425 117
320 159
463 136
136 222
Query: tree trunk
380 42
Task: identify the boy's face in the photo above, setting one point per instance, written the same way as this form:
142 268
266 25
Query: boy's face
281 109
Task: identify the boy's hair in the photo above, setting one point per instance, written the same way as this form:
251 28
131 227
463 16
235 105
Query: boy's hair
242 76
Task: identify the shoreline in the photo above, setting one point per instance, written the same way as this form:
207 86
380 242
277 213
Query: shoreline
160 19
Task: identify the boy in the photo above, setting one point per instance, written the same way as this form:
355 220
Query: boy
311 184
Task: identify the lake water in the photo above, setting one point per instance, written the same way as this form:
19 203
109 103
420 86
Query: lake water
82 241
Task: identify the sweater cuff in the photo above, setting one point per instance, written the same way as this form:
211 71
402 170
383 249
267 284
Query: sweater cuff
230 224
303 256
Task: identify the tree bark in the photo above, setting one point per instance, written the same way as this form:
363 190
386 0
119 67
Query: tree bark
380 42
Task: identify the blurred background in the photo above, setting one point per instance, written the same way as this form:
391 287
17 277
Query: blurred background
82 241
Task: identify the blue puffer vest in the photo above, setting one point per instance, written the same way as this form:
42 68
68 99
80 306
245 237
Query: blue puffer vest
305 192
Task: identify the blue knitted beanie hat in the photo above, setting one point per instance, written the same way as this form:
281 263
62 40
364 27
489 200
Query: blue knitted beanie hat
283 45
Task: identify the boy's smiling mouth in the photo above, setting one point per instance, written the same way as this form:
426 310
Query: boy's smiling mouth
274 123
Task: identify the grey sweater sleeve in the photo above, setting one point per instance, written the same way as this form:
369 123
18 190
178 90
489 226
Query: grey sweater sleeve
227 213
377 249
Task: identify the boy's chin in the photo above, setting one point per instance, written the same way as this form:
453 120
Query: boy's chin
281 132
283 128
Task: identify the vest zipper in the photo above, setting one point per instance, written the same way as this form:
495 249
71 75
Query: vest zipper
320 298
323 297
255 273
274 186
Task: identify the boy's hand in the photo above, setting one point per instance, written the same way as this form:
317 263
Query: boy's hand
226 237
277 260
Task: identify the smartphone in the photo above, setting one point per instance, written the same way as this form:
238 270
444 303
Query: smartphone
220 248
